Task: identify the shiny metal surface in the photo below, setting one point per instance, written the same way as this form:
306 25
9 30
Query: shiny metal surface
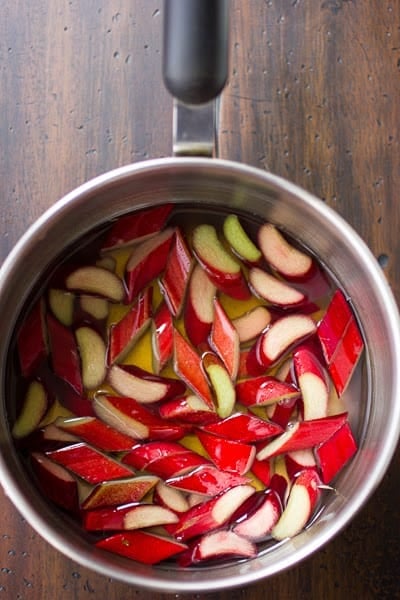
238 188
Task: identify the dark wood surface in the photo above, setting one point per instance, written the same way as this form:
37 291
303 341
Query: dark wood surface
314 95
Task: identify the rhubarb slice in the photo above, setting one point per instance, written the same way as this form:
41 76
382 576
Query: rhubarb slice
313 382
211 514
162 337
147 261
207 480
280 337
301 435
142 546
219 544
221 383
228 455
97 281
303 498
136 227
224 339
119 491
57 483
188 409
32 340
145 387
333 454
224 270
243 428
64 354
92 352
34 407
239 241
274 291
88 463
95 432
174 280
264 390
259 523
62 305
187 364
124 334
127 516
199 306
252 323
134 419
283 257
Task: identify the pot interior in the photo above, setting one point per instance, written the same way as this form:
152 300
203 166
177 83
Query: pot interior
213 188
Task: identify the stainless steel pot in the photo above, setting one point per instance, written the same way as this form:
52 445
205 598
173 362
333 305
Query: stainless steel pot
212 184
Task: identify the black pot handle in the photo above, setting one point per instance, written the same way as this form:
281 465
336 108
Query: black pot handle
195 54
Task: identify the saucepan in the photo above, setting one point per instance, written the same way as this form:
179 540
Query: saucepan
195 59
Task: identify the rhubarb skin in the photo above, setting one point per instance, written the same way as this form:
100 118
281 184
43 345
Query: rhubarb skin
346 357
119 491
147 261
97 433
64 354
124 334
89 464
32 340
243 428
333 454
207 480
137 226
199 306
57 483
189 409
142 546
224 339
228 455
187 364
264 390
175 278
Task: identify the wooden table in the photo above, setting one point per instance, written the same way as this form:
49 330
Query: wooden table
313 96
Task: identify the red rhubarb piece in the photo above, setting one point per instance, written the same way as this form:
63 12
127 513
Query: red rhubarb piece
280 337
95 432
264 390
303 498
282 412
259 523
142 455
134 419
144 386
335 452
332 326
313 383
228 455
142 546
64 354
175 500
346 357
189 409
211 514
243 428
207 480
262 470
176 275
119 491
218 544
290 262
187 364
224 339
252 323
176 465
32 340
137 226
221 267
89 464
57 483
124 334
301 435
298 460
127 516
273 290
199 307
147 261
162 337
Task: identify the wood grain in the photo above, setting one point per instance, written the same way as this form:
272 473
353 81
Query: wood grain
313 96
